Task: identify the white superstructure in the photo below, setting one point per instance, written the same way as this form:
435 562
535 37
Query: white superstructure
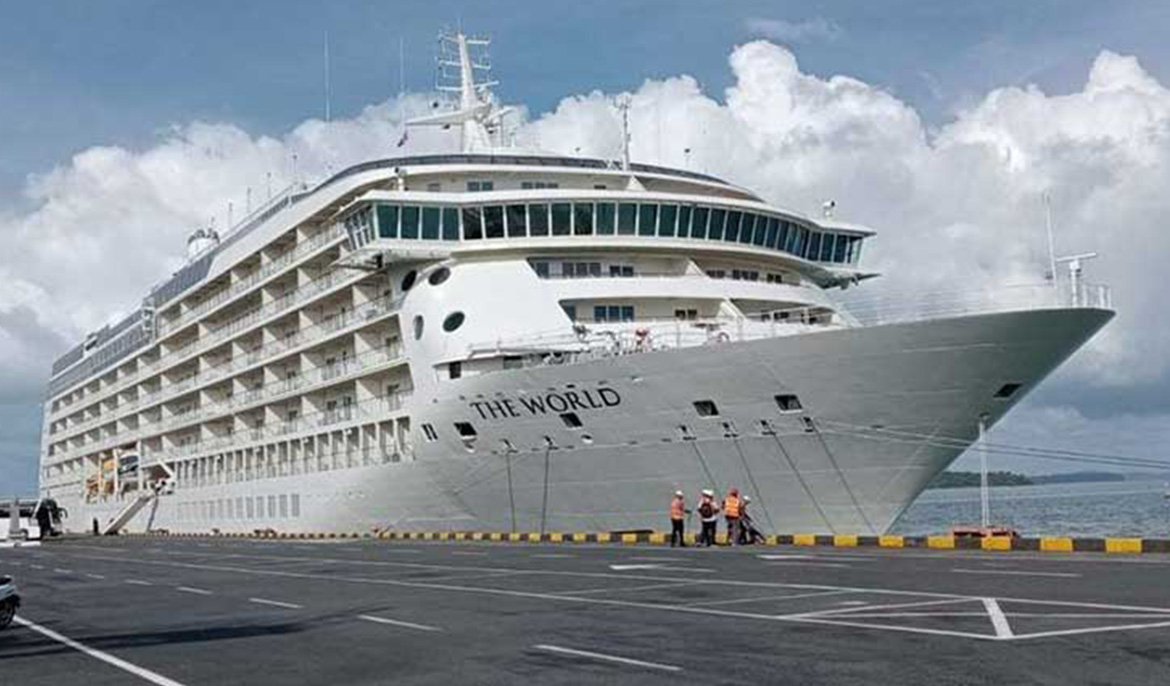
519 341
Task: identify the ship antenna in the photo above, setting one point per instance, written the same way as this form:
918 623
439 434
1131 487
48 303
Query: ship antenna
476 112
328 94
624 107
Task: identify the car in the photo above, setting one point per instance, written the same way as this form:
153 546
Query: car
9 601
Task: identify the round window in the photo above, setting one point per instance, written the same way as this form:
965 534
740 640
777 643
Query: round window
439 276
408 280
453 321
418 326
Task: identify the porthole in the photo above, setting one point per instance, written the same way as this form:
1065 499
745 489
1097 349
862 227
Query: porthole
418 326
453 321
408 280
439 276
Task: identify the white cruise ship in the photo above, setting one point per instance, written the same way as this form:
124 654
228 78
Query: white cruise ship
505 340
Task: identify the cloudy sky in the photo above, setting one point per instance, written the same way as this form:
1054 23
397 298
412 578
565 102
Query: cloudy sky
124 124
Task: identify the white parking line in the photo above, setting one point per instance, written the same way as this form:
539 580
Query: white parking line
276 603
62 571
467 552
1002 628
395 622
138 582
1063 575
188 589
95 576
141 672
552 556
607 658
628 589
766 598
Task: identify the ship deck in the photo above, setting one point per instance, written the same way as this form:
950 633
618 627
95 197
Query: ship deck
241 611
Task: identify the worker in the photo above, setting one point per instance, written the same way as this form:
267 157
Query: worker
749 534
678 513
709 514
731 511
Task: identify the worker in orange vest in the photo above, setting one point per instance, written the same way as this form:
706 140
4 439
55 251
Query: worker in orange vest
678 516
731 511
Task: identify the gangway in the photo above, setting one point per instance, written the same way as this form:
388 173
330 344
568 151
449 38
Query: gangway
135 506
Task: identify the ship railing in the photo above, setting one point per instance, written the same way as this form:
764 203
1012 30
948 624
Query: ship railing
900 307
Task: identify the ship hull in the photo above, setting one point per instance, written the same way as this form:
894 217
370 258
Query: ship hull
876 404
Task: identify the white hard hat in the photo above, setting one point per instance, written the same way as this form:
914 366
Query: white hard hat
708 492
679 493
747 498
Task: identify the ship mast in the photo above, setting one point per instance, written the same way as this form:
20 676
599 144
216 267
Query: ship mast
477 114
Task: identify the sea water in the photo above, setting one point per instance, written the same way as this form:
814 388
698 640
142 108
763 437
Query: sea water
1124 508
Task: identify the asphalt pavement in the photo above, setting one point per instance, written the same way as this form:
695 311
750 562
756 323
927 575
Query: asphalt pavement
238 611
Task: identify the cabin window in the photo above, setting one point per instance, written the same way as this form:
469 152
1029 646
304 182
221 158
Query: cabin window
627 218
538 220
747 230
773 229
562 219
408 280
430 223
450 224
517 221
621 270
438 276
788 402
513 362
1007 390
765 227
387 221
541 269
813 246
667 220
613 313
827 247
686 314
410 222
472 224
706 408
647 219
583 219
840 250
453 321
477 186
606 215
454 370
570 312
493 221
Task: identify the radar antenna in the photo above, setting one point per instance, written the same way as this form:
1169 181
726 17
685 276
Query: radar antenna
476 112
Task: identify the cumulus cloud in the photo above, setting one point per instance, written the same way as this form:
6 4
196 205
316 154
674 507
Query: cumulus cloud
807 31
958 207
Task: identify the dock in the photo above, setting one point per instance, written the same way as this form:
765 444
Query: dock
219 610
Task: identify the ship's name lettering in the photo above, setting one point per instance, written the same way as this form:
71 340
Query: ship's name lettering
537 405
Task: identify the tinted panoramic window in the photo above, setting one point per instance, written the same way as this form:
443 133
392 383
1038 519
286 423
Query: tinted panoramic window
667 218
410 222
606 216
561 219
647 219
430 223
450 224
583 218
684 220
538 220
773 228
715 229
517 221
699 223
731 230
627 218
493 221
388 221
472 224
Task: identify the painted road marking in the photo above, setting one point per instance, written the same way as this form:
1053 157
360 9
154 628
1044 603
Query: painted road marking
138 582
276 603
607 658
628 589
37 566
664 568
1002 628
62 571
395 622
733 601
1063 575
801 563
467 552
95 576
141 672
196 591
552 556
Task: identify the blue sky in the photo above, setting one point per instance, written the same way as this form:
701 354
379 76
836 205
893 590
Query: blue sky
77 74
132 73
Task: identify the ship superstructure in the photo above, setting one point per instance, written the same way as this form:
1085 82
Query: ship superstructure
512 340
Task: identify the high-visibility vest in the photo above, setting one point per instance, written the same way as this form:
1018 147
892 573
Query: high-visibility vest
676 509
731 507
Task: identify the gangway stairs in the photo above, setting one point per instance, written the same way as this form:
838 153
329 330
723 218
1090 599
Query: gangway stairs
128 511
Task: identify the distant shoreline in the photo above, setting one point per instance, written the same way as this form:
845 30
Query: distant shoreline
963 479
